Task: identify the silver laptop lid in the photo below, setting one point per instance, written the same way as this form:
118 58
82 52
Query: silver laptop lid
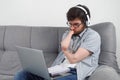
32 60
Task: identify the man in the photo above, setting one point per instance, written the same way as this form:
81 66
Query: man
80 47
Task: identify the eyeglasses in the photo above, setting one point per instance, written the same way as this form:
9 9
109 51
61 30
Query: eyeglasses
76 25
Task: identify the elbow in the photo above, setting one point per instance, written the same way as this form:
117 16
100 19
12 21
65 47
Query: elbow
64 47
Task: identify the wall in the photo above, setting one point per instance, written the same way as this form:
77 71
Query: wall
53 13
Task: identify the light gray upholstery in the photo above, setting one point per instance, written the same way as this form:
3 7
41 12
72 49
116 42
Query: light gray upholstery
108 46
108 69
2 30
45 38
48 39
16 35
104 72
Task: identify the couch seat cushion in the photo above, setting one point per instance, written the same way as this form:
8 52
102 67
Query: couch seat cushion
9 63
6 77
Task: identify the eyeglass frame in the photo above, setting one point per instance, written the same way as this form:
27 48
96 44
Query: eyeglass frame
76 25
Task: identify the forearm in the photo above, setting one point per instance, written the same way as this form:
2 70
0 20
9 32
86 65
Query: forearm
70 56
79 55
65 42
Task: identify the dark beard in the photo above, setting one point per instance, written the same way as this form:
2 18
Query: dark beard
77 34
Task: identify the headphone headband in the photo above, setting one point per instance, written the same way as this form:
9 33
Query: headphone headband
82 9
88 19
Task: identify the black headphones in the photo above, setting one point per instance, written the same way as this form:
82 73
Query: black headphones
88 18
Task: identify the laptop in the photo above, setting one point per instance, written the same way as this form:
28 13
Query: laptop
32 60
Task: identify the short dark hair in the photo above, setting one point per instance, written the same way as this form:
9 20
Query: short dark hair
79 13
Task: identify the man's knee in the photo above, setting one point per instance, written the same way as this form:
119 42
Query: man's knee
69 77
21 75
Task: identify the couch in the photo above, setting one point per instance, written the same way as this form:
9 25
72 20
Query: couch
48 39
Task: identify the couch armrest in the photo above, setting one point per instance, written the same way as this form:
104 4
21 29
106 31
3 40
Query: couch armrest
104 72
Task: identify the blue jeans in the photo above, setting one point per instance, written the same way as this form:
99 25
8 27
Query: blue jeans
24 75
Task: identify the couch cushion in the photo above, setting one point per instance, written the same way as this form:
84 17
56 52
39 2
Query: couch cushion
104 73
16 36
1 54
9 63
108 46
6 77
49 58
45 38
2 30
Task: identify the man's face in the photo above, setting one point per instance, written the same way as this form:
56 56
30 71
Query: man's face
76 25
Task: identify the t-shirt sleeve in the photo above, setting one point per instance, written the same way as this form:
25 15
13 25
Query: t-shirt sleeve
92 42
65 34
63 37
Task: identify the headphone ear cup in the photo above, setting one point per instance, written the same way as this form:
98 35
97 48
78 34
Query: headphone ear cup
88 20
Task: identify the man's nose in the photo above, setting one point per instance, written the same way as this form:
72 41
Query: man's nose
72 27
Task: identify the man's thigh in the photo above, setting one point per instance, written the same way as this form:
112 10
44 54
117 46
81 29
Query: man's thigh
68 77
24 75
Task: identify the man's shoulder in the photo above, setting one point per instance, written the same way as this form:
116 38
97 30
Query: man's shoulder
92 32
66 32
